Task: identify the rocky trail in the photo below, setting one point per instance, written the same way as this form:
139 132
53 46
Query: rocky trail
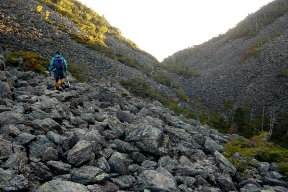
95 137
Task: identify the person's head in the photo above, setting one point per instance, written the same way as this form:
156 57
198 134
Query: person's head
57 53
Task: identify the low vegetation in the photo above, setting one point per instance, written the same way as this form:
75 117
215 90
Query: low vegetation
253 24
256 147
79 71
27 60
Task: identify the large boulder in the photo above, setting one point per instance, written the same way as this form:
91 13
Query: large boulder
38 147
11 117
80 153
12 182
224 164
148 138
119 163
157 180
88 175
62 186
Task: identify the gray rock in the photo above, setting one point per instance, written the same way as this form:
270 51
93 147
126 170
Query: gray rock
39 146
88 175
88 117
250 188
46 125
274 182
149 164
50 154
5 90
63 186
124 182
10 130
80 153
125 116
25 138
148 138
11 182
11 117
119 163
225 182
5 148
58 167
137 157
123 147
103 164
212 146
40 171
264 167
116 127
160 180
55 137
224 164
17 161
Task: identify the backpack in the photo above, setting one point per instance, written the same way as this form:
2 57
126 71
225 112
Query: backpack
58 63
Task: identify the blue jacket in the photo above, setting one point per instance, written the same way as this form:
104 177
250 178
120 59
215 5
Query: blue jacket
52 68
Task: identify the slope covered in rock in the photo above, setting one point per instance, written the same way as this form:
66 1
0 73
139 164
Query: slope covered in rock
96 137
248 64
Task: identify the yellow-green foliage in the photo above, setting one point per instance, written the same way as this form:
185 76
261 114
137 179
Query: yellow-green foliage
180 69
283 73
79 71
39 9
87 20
27 60
180 93
251 26
259 148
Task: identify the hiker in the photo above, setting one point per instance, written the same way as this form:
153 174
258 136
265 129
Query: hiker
58 65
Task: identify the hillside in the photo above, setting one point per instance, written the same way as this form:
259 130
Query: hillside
107 132
248 64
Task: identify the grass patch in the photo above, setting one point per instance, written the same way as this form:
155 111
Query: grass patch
283 73
259 148
79 71
28 60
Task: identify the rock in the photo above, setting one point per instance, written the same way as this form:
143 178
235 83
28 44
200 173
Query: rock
40 171
149 164
88 175
119 163
116 127
212 146
11 182
148 138
274 182
80 153
264 167
62 186
225 182
159 180
5 90
103 164
88 117
250 188
5 148
50 154
46 125
125 116
137 157
224 164
124 182
123 147
55 137
17 161
11 117
25 138
39 146
10 130
58 167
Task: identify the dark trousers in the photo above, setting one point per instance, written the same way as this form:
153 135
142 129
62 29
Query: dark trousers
58 74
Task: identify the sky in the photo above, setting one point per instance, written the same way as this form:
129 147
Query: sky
163 27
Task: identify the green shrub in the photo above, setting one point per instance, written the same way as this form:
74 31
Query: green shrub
283 73
28 60
79 71
259 148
